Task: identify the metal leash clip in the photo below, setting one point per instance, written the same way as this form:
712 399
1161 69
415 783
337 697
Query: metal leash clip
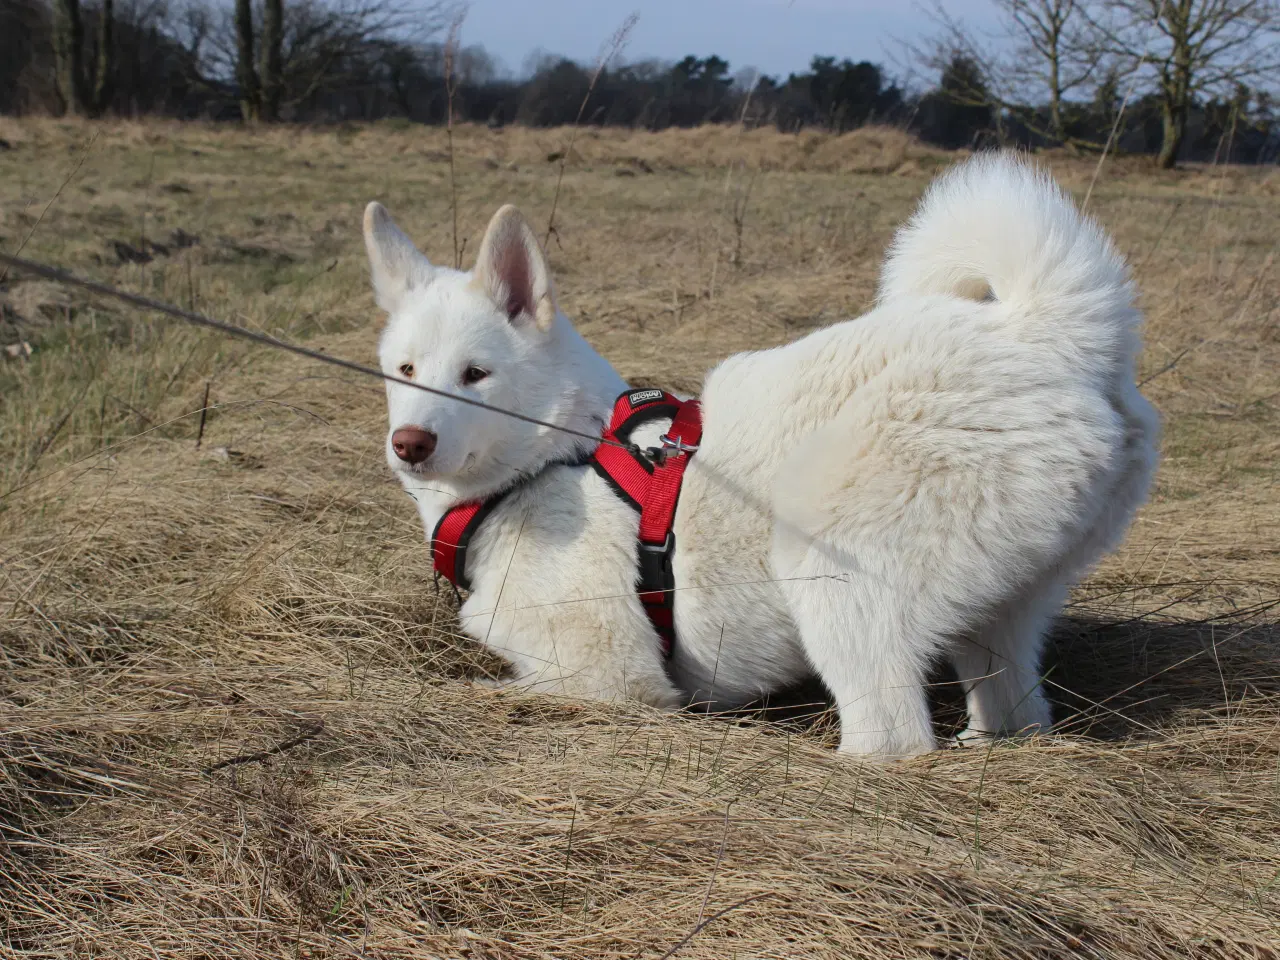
671 447
676 444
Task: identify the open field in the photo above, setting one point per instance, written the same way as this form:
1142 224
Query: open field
234 718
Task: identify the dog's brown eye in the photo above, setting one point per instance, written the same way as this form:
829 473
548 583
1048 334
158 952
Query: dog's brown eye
474 375
406 370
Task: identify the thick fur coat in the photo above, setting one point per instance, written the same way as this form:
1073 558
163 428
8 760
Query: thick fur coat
926 480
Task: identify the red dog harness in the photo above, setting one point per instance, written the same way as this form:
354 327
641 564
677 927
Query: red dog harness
649 481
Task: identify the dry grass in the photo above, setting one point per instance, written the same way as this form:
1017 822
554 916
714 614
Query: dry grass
235 720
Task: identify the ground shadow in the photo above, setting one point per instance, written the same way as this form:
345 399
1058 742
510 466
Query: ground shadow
1108 678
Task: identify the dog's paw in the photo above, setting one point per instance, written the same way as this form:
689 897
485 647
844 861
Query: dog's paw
974 737
489 683
878 750
969 737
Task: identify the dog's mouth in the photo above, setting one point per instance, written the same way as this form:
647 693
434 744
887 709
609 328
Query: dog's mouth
426 470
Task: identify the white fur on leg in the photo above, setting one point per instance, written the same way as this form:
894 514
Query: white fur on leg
1000 670
853 633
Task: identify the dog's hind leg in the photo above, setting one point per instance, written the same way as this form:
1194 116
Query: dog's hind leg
999 664
1000 670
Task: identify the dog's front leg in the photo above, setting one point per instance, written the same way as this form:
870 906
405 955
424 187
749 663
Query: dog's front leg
592 649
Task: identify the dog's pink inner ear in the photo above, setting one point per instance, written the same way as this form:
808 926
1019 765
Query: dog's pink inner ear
512 271
516 276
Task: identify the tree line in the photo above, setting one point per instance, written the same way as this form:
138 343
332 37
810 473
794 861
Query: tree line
1175 78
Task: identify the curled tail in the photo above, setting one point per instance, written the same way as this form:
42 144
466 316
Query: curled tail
996 227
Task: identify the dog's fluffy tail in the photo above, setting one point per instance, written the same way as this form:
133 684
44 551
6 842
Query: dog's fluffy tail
997 228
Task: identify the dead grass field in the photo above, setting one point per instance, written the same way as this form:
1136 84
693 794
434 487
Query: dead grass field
234 718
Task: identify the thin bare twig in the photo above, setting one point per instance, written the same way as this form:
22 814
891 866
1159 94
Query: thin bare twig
568 852
1115 126
204 413
52 200
312 731
711 919
715 868
47 441
739 203
607 53
1244 303
450 54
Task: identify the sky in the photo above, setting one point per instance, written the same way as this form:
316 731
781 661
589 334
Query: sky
774 36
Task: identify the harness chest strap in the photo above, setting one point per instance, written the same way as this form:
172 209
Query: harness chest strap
651 485
452 536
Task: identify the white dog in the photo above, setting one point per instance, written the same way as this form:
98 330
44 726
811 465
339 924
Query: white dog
925 480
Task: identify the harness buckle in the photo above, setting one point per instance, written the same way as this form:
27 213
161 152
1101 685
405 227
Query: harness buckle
655 571
655 455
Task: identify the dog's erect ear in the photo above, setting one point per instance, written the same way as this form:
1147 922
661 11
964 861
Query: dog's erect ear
513 270
394 262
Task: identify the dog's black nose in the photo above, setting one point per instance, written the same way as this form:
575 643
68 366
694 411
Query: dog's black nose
413 444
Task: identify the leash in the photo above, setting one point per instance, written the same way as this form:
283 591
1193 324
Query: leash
649 480
200 320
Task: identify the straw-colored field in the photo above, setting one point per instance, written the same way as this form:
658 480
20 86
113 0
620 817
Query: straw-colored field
234 718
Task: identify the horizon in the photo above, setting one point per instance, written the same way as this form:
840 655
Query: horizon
775 37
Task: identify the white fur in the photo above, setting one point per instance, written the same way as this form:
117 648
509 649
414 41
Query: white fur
925 480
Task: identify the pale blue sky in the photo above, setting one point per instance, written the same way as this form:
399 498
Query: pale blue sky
776 36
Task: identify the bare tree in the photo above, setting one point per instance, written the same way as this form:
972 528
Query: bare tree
282 54
1189 49
974 79
246 70
106 51
271 70
27 69
1040 56
1050 54
79 95
324 38
68 52
261 77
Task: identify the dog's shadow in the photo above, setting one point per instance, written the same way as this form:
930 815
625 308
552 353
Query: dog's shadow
1108 679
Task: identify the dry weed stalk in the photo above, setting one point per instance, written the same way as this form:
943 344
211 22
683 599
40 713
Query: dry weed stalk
610 50
84 155
738 205
1124 103
450 56
204 412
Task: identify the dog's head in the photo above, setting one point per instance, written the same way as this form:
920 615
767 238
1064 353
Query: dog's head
488 335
